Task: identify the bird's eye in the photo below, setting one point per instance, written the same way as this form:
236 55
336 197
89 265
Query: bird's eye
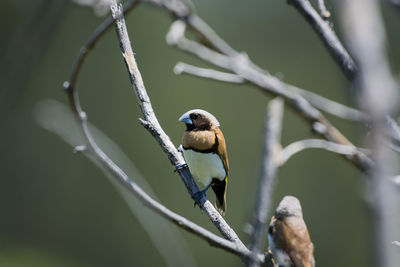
195 116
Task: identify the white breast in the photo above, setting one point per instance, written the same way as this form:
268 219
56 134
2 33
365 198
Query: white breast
204 166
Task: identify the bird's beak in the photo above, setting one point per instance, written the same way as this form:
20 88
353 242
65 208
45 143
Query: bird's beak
186 119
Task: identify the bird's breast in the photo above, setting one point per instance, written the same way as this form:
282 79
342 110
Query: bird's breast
204 166
199 140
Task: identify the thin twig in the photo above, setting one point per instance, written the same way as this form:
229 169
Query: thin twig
151 123
183 68
241 65
272 131
91 42
320 102
328 37
323 11
301 145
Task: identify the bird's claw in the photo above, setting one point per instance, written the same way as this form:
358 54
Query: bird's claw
180 167
198 196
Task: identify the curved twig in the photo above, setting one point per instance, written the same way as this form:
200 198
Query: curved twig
301 145
91 42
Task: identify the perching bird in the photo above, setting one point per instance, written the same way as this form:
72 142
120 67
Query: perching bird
204 149
288 236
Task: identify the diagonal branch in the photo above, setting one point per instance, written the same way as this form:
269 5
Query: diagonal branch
327 35
242 66
272 130
320 102
151 123
92 148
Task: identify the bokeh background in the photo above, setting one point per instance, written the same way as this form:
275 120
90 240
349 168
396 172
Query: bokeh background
59 209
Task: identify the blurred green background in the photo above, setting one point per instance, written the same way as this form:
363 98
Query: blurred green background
58 209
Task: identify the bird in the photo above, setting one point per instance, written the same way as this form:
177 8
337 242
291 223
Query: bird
288 237
204 149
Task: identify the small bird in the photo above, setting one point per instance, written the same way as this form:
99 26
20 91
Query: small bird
288 236
204 149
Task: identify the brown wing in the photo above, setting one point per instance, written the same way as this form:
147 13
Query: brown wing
221 150
295 241
219 187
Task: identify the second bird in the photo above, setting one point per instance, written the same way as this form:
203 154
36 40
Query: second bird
204 149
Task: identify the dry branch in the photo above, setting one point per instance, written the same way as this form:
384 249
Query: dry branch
242 66
91 147
327 35
272 131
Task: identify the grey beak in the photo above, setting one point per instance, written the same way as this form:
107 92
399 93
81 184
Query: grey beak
186 119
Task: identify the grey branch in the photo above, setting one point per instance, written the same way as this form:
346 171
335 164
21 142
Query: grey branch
301 145
91 147
151 123
182 68
378 97
242 66
59 120
327 35
272 131
340 54
320 102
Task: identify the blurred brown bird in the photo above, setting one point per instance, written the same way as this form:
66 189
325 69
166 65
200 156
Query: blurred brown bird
204 149
288 236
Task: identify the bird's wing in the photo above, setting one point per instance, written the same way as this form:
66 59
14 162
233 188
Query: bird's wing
300 249
221 150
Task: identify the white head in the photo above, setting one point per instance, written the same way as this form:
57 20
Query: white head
289 206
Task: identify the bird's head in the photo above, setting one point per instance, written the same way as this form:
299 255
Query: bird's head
289 206
198 119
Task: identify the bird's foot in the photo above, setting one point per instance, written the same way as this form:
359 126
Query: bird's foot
180 167
199 195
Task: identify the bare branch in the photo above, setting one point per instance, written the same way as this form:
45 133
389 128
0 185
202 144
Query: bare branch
241 65
327 35
92 148
183 68
378 97
151 123
339 53
272 130
301 145
320 102
59 120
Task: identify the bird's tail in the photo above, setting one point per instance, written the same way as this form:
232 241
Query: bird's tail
219 188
